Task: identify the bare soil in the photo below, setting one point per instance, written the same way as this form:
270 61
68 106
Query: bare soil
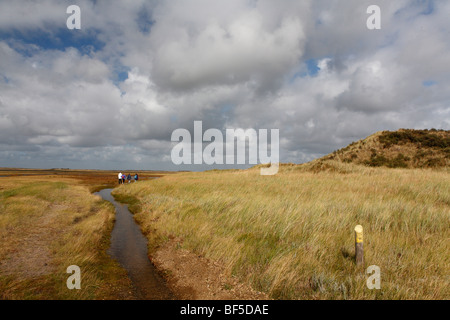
193 277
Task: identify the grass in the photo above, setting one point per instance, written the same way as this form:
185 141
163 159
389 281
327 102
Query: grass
48 224
291 235
404 148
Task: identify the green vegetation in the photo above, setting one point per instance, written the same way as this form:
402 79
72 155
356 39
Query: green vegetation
424 138
379 161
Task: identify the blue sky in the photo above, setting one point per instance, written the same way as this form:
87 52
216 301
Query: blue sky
110 95
59 39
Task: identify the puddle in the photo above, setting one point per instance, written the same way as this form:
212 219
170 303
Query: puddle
129 248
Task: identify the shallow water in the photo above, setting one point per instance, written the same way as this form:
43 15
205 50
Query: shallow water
129 248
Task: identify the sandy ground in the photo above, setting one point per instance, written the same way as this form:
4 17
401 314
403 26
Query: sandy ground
192 277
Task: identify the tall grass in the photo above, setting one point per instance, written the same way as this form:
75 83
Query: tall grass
291 235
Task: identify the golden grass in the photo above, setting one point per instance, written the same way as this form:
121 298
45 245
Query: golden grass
47 225
291 235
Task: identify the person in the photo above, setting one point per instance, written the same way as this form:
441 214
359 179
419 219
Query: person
136 177
120 177
129 177
123 178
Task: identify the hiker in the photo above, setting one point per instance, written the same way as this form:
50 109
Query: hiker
123 178
136 177
129 177
120 177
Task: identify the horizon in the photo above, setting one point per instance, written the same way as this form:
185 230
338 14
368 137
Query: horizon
224 167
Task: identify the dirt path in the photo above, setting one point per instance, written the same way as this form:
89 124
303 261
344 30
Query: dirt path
192 277
32 255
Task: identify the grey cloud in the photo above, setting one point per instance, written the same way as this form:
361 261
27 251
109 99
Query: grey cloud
231 64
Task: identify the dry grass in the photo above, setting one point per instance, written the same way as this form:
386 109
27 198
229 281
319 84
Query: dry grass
48 223
291 235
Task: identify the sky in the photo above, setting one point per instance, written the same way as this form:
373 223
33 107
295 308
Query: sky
110 95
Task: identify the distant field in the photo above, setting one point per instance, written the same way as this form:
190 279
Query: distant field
49 220
291 235
95 179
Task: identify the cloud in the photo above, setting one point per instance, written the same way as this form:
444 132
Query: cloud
240 52
111 94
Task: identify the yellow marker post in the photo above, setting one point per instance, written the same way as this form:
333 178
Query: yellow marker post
359 249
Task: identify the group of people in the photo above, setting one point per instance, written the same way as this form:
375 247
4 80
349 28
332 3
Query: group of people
123 177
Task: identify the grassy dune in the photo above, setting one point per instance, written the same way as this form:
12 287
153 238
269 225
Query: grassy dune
291 235
48 224
404 148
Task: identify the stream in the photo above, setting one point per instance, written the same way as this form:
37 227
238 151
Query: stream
129 248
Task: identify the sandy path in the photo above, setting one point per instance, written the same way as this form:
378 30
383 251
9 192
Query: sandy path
193 277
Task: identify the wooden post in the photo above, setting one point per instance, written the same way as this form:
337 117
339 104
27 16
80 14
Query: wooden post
359 249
